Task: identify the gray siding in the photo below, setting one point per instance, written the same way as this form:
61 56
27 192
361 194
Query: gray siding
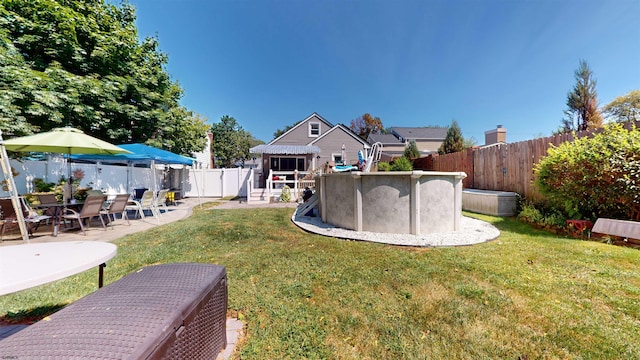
299 135
332 144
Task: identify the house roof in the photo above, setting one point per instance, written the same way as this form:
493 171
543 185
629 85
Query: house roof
420 133
285 149
315 114
384 139
346 130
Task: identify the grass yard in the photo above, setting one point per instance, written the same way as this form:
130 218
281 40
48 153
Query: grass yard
528 294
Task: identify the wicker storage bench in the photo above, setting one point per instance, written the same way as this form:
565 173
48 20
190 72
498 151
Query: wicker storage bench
171 311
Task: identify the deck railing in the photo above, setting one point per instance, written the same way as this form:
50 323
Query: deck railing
295 180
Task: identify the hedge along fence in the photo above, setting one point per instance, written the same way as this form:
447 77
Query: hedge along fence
502 167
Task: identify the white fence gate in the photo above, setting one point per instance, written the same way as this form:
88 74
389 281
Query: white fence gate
217 182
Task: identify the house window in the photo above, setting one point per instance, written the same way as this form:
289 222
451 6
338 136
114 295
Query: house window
314 129
337 158
287 163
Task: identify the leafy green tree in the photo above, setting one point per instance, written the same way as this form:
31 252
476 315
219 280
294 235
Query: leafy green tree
582 102
80 63
594 177
365 125
453 141
231 142
624 108
469 142
412 152
279 132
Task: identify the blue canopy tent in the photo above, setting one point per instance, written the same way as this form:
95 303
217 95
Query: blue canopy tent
140 153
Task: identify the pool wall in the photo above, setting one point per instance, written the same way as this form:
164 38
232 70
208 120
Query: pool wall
496 203
404 202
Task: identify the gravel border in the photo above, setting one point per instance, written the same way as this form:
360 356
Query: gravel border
472 231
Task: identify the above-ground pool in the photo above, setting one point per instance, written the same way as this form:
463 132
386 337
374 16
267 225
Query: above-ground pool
403 202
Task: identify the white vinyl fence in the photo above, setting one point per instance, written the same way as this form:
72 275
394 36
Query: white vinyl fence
217 182
114 179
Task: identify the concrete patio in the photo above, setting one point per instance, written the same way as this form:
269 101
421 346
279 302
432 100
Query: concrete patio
181 210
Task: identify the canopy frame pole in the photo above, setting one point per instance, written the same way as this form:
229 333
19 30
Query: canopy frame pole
15 200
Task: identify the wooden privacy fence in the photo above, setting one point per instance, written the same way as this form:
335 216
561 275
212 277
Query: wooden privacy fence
502 167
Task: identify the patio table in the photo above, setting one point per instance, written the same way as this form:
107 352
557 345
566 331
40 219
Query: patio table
56 210
29 265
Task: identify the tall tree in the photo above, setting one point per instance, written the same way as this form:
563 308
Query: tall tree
582 102
80 63
624 108
412 152
231 142
453 141
279 132
365 125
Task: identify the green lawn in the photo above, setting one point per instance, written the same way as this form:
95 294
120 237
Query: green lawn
528 294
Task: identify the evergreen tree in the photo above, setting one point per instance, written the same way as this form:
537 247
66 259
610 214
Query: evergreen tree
582 102
412 152
453 142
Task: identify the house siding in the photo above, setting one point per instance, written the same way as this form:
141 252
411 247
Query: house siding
332 144
300 134
429 146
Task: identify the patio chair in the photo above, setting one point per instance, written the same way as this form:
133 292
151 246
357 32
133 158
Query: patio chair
90 209
146 202
161 200
9 219
47 198
93 192
117 206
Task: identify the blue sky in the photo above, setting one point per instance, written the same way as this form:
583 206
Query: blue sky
416 63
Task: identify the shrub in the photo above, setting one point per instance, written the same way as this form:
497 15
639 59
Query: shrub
384 166
530 214
594 177
402 164
542 215
286 194
41 186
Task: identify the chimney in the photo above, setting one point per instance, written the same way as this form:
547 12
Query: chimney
498 135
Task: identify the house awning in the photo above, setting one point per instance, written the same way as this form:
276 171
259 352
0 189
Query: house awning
285 149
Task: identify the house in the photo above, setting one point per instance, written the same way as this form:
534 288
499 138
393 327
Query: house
392 147
428 139
204 159
308 145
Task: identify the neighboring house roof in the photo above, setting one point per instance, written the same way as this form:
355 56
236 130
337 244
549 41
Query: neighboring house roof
300 123
420 133
346 130
285 149
384 139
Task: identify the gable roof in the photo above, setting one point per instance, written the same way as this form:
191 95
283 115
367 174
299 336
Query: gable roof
420 133
384 139
315 114
346 130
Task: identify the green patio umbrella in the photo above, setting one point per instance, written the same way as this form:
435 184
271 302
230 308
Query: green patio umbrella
66 141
